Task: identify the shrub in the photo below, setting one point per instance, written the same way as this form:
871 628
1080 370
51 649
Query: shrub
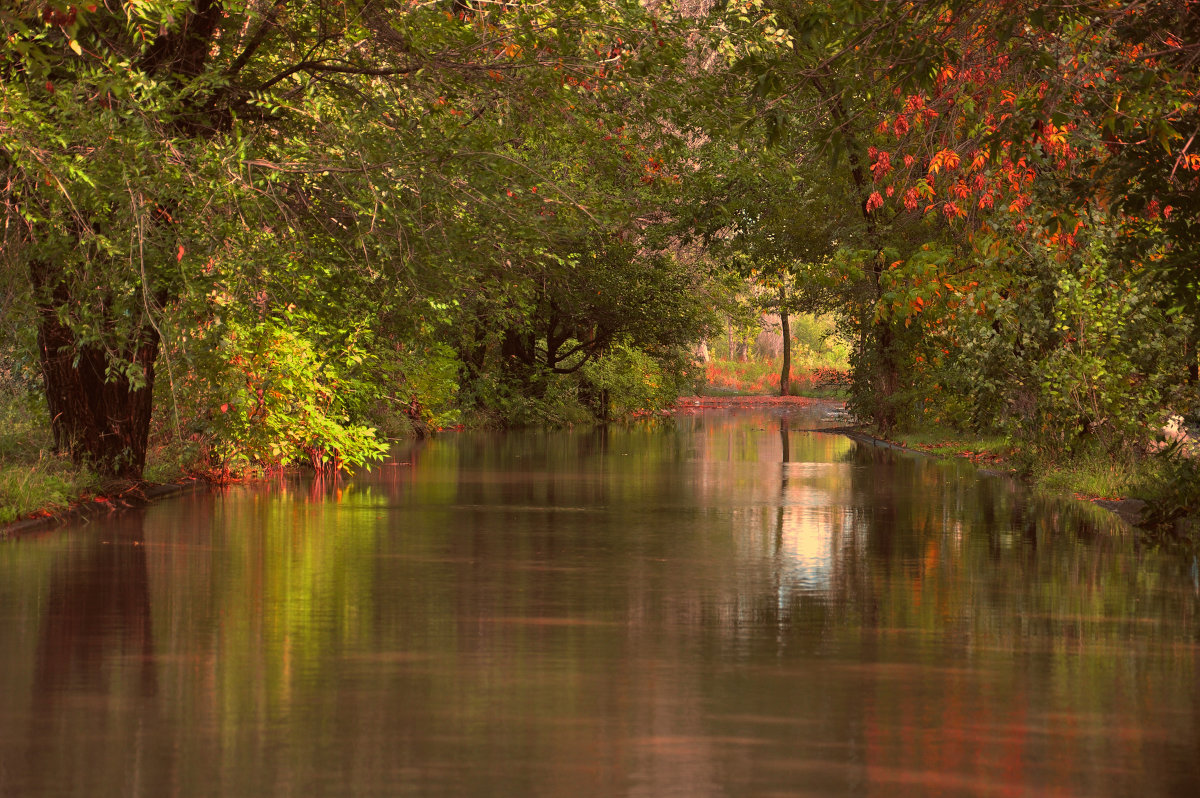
631 379
273 397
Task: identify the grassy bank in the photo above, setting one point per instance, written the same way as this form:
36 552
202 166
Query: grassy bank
32 478
1093 477
36 481
1167 485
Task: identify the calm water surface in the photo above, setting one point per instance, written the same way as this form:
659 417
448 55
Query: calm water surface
719 605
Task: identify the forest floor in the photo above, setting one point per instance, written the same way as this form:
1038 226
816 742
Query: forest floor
695 404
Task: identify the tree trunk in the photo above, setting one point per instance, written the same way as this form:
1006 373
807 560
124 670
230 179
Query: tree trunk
100 391
785 376
884 376
1190 357
887 378
97 413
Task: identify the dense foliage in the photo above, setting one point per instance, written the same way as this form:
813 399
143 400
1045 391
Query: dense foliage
1021 255
311 212
320 218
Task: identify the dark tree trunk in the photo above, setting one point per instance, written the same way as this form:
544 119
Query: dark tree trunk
885 375
472 357
1190 356
785 376
96 413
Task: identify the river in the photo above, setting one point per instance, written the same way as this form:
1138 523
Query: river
718 604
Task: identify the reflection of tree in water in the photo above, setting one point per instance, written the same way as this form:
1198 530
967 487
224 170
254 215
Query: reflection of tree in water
809 524
95 670
575 615
98 609
968 632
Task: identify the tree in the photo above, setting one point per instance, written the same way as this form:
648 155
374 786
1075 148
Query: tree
131 131
974 129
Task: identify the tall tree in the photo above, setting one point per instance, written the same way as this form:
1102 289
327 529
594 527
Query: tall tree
146 143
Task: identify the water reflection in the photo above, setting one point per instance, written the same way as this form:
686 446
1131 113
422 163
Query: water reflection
94 669
720 605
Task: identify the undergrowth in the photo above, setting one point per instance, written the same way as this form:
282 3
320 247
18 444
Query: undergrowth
1168 482
761 377
31 478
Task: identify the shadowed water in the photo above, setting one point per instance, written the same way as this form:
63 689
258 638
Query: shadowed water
716 605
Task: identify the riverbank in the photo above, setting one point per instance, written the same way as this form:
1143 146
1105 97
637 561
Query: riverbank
86 508
1100 482
40 487
1126 489
1148 492
46 489
692 404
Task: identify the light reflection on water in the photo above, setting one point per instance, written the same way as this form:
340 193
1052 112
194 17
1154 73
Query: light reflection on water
720 605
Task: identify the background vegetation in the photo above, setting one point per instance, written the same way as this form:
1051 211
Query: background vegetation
239 234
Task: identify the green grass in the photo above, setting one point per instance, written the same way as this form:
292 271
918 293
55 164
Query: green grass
24 427
948 443
1099 476
1096 475
35 480
48 483
32 478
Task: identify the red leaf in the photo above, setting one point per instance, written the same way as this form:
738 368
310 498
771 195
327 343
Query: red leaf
179 254
225 408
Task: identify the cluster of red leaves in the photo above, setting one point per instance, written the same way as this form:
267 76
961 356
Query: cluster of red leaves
931 167
967 148
62 17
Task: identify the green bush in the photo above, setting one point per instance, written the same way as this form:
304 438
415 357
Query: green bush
631 379
545 399
273 397
1069 353
427 379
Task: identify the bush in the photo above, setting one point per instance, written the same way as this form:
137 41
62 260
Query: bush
631 380
272 397
427 386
